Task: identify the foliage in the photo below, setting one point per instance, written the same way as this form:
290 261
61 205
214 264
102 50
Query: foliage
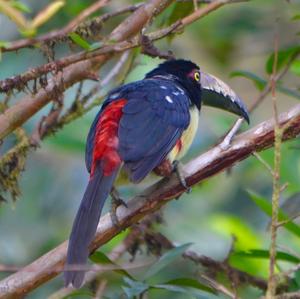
238 40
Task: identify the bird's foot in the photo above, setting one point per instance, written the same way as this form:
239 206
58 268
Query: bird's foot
177 167
116 201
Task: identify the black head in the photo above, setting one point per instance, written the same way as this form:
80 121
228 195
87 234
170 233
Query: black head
202 88
185 73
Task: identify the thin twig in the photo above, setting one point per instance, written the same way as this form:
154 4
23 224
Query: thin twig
263 162
218 286
283 222
56 34
108 48
277 77
276 179
153 198
101 289
29 105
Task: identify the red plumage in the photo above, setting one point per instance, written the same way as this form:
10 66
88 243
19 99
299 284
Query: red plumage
179 145
106 138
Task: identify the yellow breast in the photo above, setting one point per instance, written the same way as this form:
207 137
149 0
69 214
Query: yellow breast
187 137
176 153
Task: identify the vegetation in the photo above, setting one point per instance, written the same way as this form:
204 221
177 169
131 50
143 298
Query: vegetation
236 235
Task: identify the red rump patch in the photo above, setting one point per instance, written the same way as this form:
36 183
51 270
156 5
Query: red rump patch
179 145
106 138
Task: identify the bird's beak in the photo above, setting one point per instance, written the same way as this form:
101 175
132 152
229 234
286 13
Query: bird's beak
216 93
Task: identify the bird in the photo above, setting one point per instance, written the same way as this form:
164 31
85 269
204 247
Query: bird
142 127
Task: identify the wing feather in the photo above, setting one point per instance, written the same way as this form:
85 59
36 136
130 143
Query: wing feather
150 126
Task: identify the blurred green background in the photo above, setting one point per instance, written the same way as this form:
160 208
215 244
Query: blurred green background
236 37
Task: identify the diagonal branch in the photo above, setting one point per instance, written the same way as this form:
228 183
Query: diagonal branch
111 47
59 33
79 71
29 105
202 167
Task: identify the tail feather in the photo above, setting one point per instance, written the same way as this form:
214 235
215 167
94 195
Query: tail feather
85 223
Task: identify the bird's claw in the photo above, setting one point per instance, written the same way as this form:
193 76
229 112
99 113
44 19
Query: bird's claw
177 167
116 201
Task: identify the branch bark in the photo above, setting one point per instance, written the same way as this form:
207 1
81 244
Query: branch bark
92 61
157 195
29 105
70 27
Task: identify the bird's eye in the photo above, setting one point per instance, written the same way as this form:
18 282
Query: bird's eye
197 76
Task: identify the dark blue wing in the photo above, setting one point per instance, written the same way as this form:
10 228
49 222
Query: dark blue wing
153 120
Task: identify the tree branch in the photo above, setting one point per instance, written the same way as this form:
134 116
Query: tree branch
55 34
28 106
108 48
202 167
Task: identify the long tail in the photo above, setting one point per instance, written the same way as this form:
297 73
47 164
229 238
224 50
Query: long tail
85 223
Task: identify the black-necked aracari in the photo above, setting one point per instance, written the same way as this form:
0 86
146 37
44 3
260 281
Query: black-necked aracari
142 127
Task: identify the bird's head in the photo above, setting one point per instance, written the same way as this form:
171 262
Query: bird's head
202 88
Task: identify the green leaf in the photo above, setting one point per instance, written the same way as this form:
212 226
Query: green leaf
294 284
177 289
189 282
296 17
95 46
100 258
20 6
259 82
266 207
179 11
226 224
135 287
283 57
291 206
82 294
4 44
295 67
78 40
265 254
166 259
289 92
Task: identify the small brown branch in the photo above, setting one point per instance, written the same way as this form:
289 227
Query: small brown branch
218 286
91 28
201 12
268 88
83 15
221 267
263 162
56 34
127 244
284 222
153 198
115 254
88 29
148 48
278 131
292 295
101 289
29 105
215 267
20 81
